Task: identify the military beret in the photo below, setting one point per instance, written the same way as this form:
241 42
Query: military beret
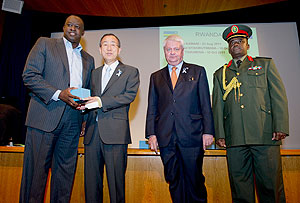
237 31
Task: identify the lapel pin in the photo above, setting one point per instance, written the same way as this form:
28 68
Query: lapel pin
185 70
119 73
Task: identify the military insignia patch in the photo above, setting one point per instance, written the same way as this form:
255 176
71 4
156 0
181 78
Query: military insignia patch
234 29
255 68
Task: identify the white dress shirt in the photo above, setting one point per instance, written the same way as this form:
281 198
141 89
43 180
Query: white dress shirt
112 66
75 66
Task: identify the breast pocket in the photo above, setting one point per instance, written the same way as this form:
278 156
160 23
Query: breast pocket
257 78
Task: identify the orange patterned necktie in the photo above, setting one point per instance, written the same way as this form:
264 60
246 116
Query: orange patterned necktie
174 76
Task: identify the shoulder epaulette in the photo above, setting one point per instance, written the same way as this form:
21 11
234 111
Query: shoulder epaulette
229 63
250 58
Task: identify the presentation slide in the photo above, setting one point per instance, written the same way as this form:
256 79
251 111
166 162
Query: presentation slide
204 45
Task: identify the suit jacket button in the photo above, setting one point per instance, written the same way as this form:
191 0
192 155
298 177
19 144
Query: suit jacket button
172 113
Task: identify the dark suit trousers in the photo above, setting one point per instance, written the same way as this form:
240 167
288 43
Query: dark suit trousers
183 172
56 150
259 165
114 156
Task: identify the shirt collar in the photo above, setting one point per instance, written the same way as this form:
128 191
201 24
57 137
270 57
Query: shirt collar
178 66
242 59
68 45
113 66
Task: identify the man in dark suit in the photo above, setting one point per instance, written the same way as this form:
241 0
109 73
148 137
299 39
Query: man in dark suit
53 68
251 118
114 86
180 122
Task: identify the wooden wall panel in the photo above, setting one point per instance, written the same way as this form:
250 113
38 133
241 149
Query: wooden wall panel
142 8
216 178
291 177
10 176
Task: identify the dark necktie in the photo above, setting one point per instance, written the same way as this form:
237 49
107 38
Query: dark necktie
238 63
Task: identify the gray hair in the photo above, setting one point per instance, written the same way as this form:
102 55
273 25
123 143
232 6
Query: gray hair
175 38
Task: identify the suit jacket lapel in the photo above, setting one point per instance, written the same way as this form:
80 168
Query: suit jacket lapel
98 81
166 75
245 64
84 67
120 69
183 74
61 49
233 66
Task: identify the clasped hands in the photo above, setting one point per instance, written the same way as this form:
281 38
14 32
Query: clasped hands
90 102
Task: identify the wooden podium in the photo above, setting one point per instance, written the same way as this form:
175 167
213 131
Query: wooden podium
145 181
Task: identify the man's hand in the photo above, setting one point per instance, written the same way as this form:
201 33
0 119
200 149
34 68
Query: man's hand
153 143
221 142
90 103
67 97
207 140
278 136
